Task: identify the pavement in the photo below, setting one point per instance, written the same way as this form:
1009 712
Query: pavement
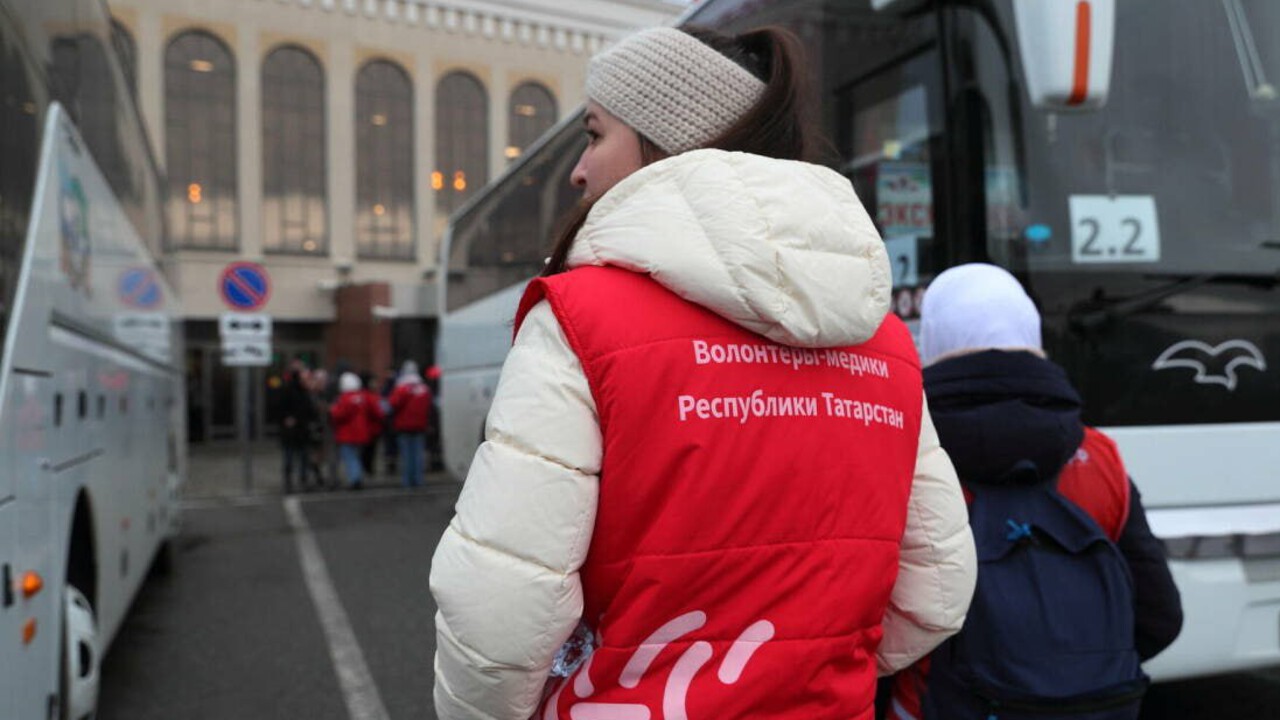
215 471
235 630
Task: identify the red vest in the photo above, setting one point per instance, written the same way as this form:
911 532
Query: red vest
1095 479
411 404
355 417
752 502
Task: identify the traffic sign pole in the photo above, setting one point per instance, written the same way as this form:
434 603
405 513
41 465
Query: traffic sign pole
245 287
246 414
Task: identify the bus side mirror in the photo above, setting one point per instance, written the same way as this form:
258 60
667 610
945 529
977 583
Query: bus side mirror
1066 48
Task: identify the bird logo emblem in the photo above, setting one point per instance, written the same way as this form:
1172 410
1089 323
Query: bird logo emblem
1214 364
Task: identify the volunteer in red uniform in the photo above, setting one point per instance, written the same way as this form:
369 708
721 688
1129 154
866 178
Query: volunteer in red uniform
411 411
710 487
356 420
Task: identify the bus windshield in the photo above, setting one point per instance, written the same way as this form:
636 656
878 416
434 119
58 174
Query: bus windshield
1178 175
503 237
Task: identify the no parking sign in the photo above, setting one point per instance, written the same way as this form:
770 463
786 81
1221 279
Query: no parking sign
244 286
138 288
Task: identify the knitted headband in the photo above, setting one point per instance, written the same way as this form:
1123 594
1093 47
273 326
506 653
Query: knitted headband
672 88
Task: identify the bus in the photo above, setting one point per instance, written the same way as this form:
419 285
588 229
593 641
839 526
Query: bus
91 392
1121 158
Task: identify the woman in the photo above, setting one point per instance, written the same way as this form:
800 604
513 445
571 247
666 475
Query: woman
297 414
356 418
708 446
410 403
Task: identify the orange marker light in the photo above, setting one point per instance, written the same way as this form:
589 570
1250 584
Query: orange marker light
32 583
28 631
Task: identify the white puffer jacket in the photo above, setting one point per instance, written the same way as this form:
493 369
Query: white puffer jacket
784 249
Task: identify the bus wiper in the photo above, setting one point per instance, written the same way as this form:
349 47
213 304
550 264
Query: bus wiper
1255 74
1102 310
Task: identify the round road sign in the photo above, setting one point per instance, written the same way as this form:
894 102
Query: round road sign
244 286
139 289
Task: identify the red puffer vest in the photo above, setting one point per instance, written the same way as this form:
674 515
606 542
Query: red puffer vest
752 502
411 405
355 417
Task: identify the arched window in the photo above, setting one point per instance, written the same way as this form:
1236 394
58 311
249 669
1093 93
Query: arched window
462 141
127 50
200 142
293 153
532 112
384 162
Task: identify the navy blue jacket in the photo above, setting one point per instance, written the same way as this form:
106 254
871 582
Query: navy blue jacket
1013 417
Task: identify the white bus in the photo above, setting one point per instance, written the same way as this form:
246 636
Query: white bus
91 394
1121 158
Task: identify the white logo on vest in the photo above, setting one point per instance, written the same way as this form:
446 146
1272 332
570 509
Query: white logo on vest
676 692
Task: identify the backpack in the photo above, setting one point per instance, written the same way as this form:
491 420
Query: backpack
1050 629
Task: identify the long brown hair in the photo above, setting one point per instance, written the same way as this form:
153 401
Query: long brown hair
780 125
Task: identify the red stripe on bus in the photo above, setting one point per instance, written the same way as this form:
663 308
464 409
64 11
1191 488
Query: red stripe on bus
1080 85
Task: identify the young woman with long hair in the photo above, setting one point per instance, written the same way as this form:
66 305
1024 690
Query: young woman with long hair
710 487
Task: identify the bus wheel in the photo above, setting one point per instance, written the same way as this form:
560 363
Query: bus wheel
80 657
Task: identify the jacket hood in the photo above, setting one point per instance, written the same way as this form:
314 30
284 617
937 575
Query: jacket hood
1004 417
782 248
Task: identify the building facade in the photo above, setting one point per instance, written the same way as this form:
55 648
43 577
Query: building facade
328 141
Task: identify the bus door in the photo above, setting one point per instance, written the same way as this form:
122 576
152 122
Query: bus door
890 134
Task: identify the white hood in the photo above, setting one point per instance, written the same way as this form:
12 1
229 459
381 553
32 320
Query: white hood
784 249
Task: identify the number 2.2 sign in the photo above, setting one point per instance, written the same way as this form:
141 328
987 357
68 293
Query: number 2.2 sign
1114 229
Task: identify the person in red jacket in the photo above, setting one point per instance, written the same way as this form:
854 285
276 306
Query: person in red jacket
411 411
709 486
356 418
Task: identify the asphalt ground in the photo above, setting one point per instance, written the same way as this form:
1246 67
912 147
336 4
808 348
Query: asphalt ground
234 633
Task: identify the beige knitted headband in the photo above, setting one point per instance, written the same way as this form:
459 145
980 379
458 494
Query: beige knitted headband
672 88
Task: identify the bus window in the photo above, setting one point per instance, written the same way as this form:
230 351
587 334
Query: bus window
890 140
1185 145
1149 221
19 145
503 239
87 81
878 78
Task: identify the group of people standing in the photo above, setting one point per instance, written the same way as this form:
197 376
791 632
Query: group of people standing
332 426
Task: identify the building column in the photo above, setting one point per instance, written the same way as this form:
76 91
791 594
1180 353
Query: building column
249 141
341 91
572 93
150 69
424 142
499 97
